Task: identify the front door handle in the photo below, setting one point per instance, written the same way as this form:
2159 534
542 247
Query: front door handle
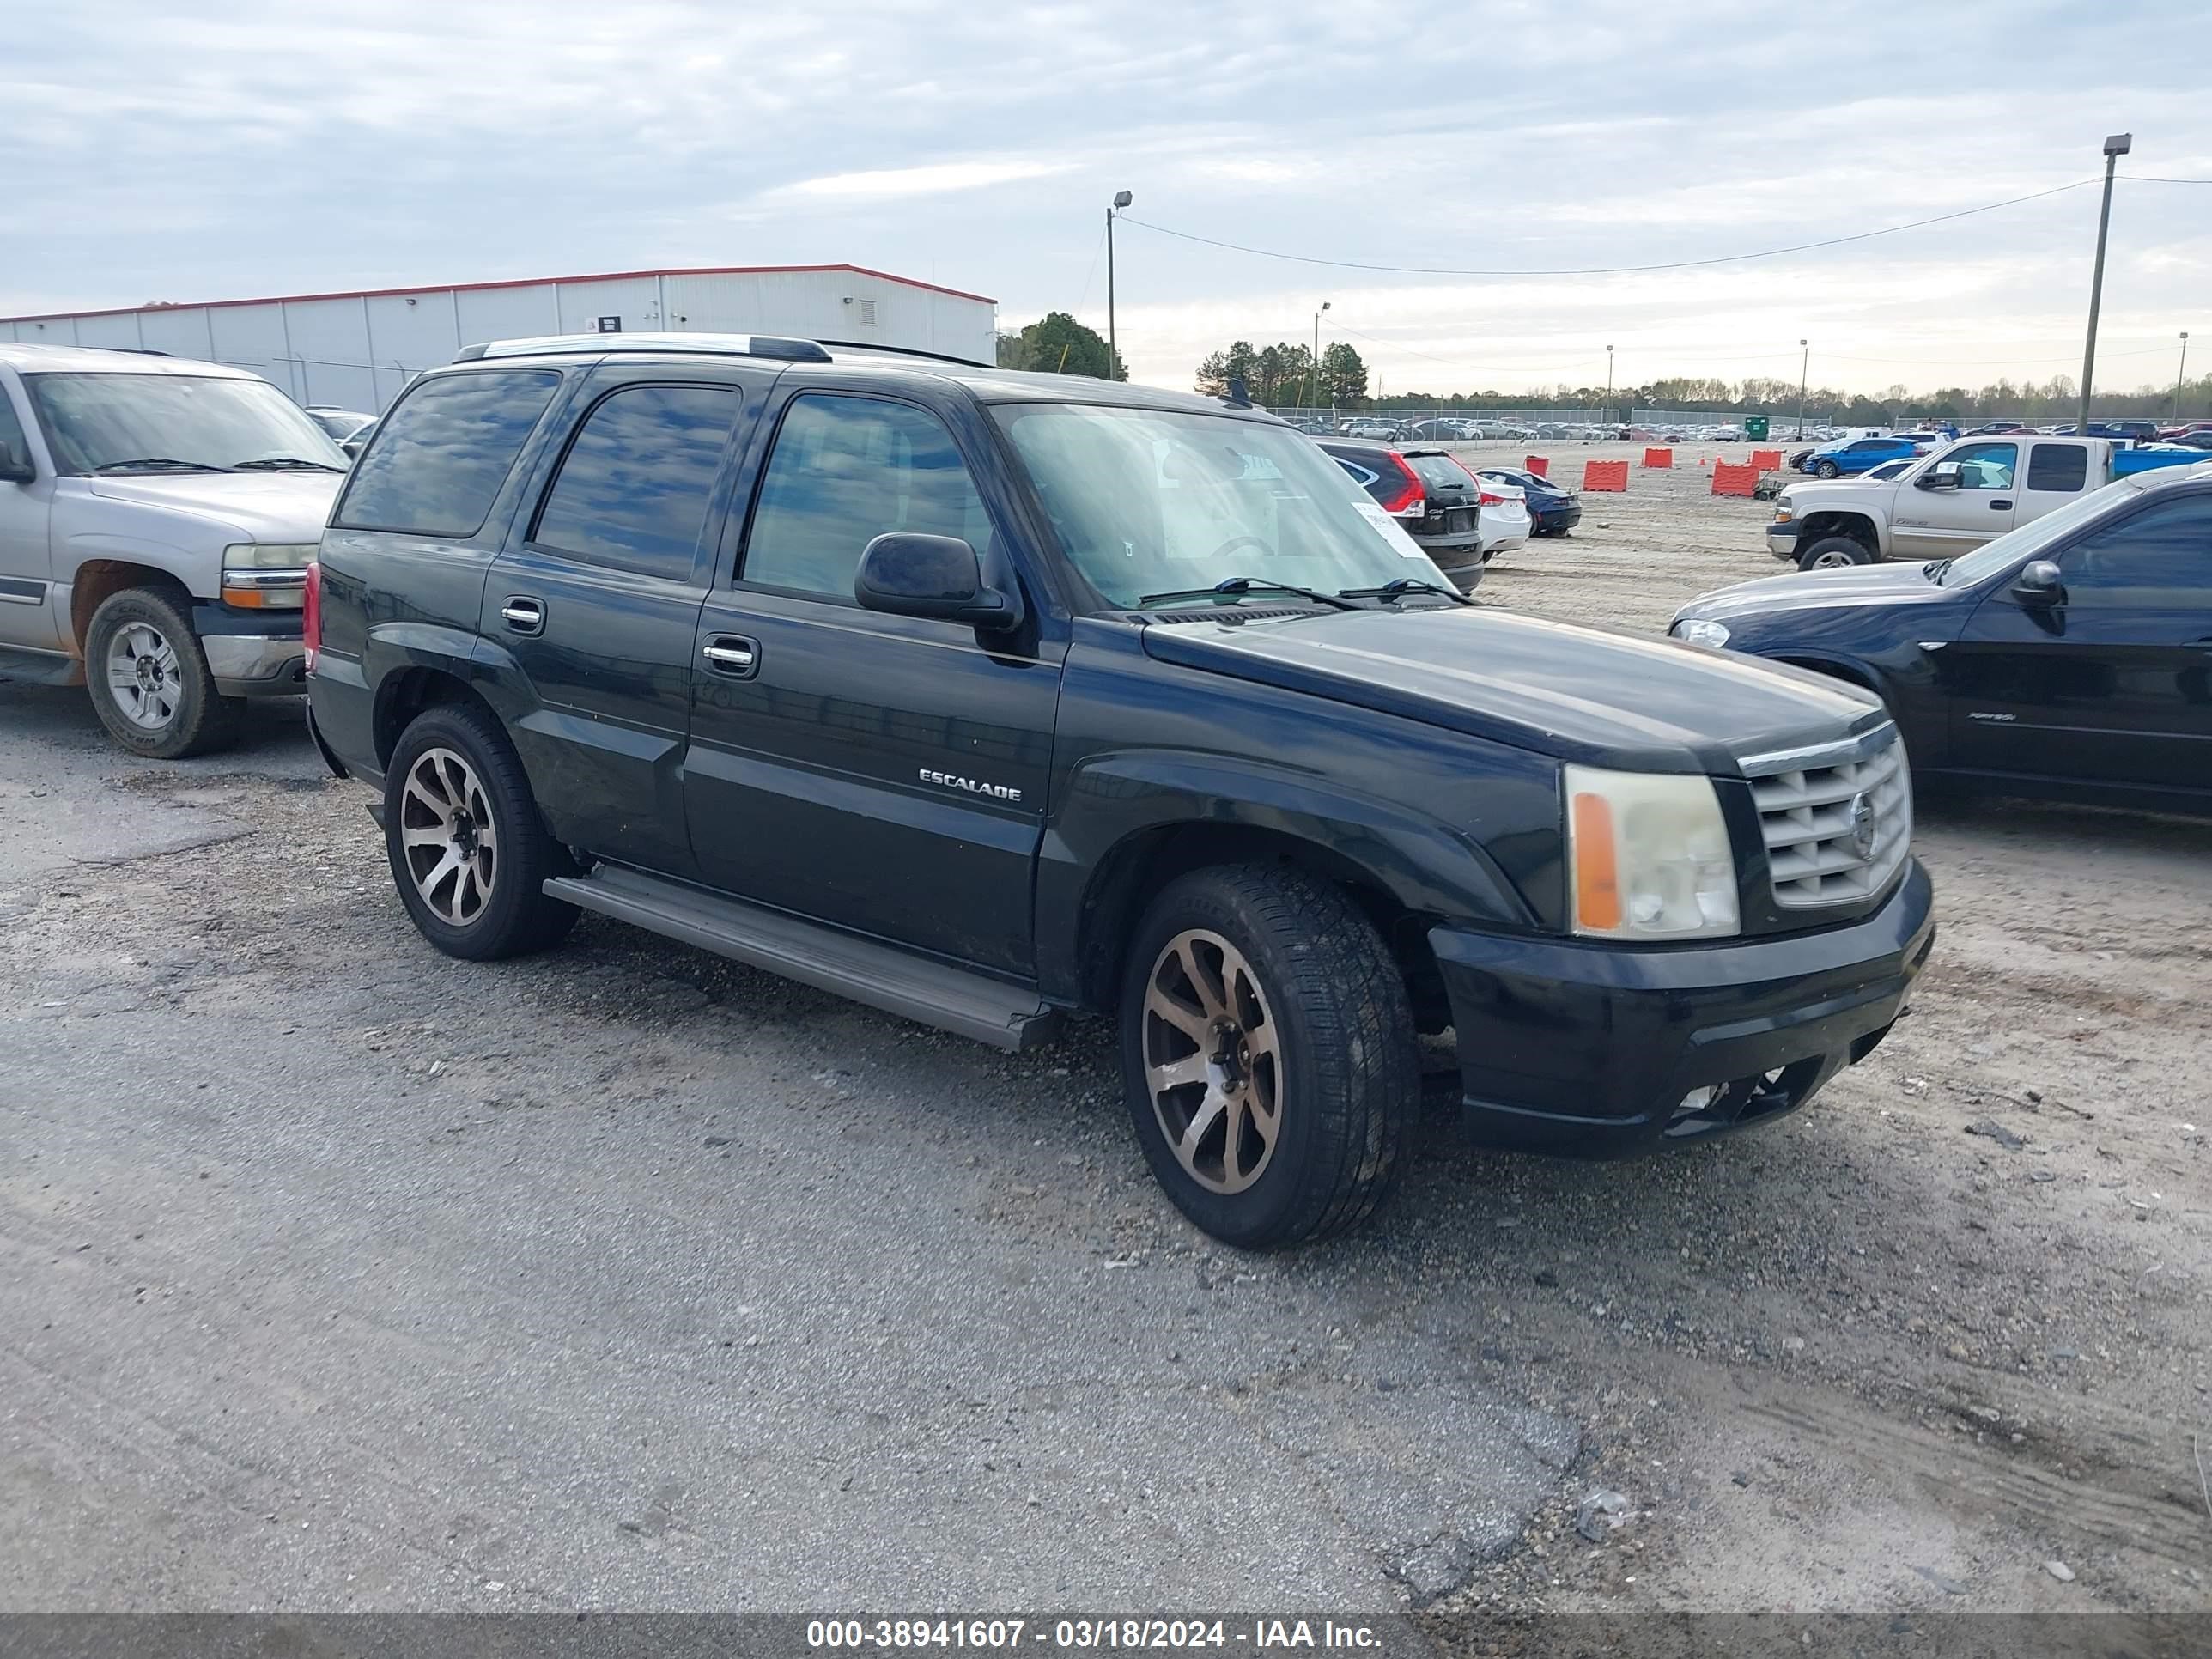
732 655
1999 507
523 614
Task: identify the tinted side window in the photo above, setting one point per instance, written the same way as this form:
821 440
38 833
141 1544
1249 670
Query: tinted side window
634 489
438 459
2161 556
2058 466
844 471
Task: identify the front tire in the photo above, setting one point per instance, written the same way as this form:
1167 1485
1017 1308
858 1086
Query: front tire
149 680
1828 470
469 849
1267 1053
1833 553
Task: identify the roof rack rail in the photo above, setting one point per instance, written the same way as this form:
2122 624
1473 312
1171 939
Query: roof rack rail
734 345
908 351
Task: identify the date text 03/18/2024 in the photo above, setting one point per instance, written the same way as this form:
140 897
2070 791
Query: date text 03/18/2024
1088 1634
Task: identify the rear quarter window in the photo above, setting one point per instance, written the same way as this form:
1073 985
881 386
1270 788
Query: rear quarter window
439 458
2058 466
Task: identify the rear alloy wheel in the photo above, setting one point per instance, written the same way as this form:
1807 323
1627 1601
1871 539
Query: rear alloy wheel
1267 1054
1834 553
469 850
149 681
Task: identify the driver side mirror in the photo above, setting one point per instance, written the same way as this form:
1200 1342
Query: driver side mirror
15 467
906 574
2038 585
1944 475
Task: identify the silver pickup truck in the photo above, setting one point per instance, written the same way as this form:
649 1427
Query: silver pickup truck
156 519
1948 503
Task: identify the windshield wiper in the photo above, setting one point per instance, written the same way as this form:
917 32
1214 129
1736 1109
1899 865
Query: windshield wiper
1231 587
276 463
1399 586
148 462
1934 569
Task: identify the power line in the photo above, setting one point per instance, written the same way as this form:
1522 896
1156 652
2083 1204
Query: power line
1611 271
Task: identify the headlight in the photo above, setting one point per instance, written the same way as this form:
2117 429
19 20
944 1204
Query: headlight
1783 512
1700 633
269 555
1648 856
266 575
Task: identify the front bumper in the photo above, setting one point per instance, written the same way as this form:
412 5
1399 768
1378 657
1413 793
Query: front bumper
1561 518
1782 540
252 654
1601 1051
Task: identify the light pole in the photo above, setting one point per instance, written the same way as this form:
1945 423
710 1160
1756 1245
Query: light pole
1609 384
2115 147
1121 199
1312 368
1804 362
2180 375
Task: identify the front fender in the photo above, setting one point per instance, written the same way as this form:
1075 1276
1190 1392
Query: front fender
1115 802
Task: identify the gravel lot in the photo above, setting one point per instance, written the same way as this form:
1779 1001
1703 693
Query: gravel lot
338 1275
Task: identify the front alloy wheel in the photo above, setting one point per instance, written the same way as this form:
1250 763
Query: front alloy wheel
1213 1061
448 836
144 676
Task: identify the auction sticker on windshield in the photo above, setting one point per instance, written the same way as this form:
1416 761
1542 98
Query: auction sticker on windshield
1391 532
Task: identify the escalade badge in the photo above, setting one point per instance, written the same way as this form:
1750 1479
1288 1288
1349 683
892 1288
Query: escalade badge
1862 826
1005 792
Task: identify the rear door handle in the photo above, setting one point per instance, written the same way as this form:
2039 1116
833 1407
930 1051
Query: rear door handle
1999 507
732 655
523 614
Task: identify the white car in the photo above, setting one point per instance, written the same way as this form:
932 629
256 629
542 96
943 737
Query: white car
1504 522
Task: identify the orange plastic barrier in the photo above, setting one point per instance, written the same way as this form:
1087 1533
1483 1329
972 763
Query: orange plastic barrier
1658 457
1538 465
1732 480
1766 459
1607 476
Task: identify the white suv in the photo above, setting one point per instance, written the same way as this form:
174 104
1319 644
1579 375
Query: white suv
156 519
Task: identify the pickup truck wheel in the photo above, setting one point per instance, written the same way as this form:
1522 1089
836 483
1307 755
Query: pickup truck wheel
1827 470
1267 1053
469 851
1833 553
149 680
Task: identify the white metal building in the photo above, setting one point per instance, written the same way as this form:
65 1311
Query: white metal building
356 350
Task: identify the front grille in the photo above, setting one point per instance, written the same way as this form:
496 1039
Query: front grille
1837 819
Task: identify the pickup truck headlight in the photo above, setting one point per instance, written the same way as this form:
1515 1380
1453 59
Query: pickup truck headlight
1783 512
266 575
1700 633
1648 856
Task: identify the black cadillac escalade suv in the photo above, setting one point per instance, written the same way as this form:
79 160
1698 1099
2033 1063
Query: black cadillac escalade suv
987 698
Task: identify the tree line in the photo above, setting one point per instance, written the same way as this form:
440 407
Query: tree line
1285 375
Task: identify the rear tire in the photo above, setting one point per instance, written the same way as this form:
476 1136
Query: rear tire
1834 553
468 848
149 680
1267 1053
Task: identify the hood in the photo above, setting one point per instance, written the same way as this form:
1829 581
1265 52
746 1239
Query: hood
264 507
1572 693
1851 588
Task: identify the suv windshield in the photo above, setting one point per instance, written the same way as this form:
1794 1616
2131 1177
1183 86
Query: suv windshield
174 422
1151 501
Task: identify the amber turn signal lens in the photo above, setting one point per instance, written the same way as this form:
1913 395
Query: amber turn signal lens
1597 882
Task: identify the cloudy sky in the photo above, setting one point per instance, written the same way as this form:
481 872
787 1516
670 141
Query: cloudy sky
270 149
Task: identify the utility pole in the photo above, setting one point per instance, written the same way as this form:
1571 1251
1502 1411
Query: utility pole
2115 147
1804 363
1608 415
1121 199
2180 375
1313 370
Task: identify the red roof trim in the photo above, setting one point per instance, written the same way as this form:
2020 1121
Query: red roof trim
526 281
